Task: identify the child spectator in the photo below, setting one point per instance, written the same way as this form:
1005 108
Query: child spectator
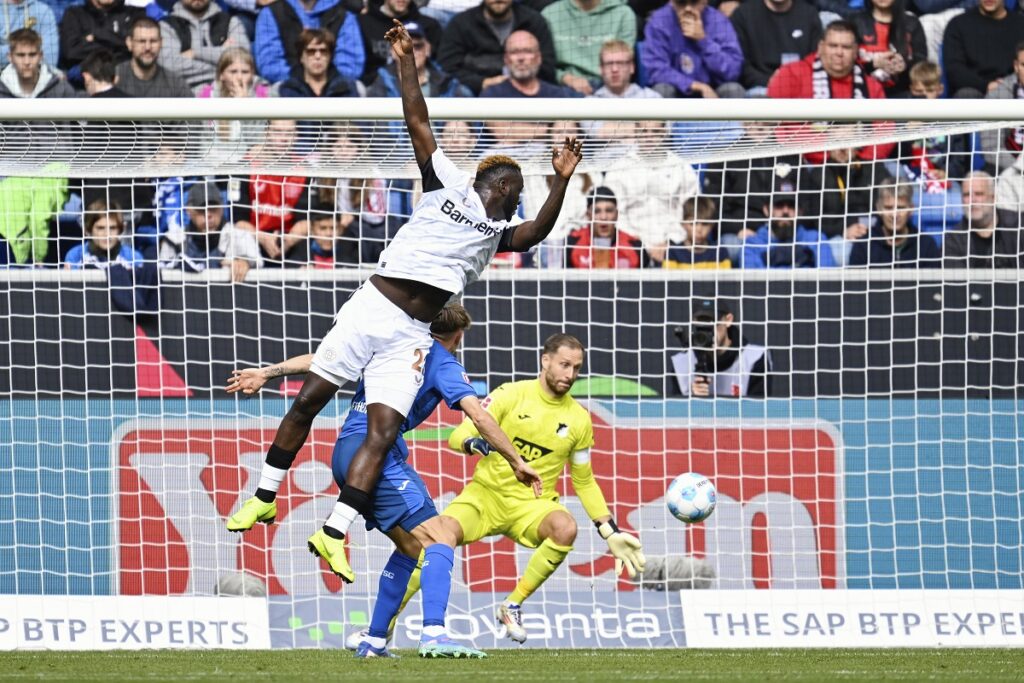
236 77
104 229
600 244
697 249
327 245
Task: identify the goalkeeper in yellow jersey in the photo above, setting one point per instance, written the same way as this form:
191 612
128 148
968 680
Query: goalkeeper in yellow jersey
549 429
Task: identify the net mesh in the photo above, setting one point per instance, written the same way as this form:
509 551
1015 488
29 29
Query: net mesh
882 451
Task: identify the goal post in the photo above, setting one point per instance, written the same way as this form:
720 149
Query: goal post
869 469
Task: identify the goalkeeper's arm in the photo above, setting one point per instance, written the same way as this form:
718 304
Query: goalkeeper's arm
625 547
251 380
484 425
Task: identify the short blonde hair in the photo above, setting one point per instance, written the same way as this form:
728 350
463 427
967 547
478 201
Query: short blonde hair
926 74
616 45
496 165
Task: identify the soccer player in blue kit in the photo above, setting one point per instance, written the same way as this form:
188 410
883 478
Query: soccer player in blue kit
402 508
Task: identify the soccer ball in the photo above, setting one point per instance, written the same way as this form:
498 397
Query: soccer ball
691 498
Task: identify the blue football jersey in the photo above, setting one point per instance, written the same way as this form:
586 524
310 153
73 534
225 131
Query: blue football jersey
444 378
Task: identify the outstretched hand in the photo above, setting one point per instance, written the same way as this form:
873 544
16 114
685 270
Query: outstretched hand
401 43
565 158
248 381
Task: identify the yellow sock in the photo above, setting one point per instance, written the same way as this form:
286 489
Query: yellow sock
543 563
414 587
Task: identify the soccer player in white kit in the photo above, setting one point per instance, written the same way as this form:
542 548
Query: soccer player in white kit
382 333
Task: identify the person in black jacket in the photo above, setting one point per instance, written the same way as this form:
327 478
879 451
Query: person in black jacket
978 48
473 45
836 196
96 25
773 33
376 21
893 242
892 41
986 237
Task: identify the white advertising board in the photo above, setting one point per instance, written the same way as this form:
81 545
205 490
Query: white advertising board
70 622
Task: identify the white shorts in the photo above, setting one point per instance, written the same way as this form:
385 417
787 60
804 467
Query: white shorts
376 340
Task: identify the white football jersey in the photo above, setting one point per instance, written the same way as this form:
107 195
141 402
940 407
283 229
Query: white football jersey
449 239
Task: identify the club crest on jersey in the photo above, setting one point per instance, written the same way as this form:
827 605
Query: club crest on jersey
563 430
448 209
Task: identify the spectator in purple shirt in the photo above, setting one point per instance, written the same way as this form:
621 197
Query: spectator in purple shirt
691 50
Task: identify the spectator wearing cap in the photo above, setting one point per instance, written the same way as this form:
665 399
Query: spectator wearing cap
316 76
99 73
279 24
434 82
893 242
783 242
523 62
1003 146
978 47
207 241
143 75
33 14
96 25
27 75
691 50
698 247
773 33
474 42
195 33
600 243
717 361
579 28
377 20
987 236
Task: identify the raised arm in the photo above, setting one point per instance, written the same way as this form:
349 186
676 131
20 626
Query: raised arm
417 120
564 160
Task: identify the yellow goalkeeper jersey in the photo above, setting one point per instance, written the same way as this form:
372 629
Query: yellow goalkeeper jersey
548 433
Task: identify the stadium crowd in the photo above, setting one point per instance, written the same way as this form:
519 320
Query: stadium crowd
950 200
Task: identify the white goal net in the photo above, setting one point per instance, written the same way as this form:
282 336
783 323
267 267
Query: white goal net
863 423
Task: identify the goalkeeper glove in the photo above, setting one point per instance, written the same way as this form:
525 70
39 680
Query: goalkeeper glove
476 445
625 548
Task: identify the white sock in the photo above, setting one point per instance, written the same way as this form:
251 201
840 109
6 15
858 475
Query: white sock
434 631
341 517
271 478
376 643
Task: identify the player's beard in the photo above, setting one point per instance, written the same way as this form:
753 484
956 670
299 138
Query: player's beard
554 387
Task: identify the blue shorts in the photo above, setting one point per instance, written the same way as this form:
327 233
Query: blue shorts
401 497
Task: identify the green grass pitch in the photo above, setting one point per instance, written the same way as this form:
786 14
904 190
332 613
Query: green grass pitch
587 666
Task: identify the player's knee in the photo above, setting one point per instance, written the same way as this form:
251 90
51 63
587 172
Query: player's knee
563 529
304 408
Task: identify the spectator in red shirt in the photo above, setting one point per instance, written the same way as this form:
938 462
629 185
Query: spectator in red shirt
600 244
832 72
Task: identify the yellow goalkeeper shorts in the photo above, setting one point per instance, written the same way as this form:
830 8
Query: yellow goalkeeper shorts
483 512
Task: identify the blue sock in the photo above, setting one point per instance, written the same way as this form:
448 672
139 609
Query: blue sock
393 582
436 580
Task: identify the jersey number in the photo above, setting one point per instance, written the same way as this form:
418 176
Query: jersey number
417 364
